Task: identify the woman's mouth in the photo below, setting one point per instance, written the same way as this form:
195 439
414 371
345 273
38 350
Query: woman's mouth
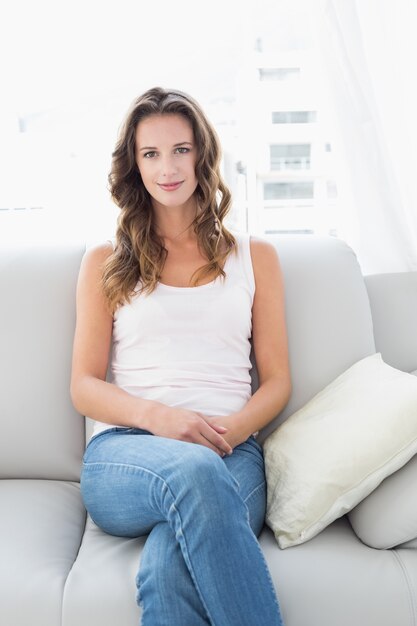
170 186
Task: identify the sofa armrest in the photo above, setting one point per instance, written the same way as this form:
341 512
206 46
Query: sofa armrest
388 516
393 300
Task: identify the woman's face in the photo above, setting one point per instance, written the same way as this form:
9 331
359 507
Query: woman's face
166 155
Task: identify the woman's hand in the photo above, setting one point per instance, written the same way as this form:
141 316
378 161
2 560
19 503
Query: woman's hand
192 427
234 435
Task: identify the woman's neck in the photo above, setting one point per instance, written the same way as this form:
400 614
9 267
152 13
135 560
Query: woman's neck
175 225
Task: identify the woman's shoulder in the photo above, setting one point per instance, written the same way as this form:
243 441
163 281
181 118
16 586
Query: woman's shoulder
89 287
100 250
262 249
264 255
95 256
258 245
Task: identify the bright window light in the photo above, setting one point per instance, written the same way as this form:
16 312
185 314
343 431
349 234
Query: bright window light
74 68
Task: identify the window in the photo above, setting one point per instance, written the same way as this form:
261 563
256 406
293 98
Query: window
293 156
294 117
289 190
279 73
58 129
290 231
331 189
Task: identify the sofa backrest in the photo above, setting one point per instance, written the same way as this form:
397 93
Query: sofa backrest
41 435
328 314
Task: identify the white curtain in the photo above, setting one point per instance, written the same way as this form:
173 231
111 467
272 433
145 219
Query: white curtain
367 51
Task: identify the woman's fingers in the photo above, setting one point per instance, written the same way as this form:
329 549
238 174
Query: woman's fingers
220 429
192 427
215 439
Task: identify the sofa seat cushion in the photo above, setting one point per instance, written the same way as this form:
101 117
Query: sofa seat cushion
332 453
388 516
101 588
335 579
41 526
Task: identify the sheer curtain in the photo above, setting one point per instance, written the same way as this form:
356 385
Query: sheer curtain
367 51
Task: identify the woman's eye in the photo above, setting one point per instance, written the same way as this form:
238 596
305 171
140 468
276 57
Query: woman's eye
149 155
183 150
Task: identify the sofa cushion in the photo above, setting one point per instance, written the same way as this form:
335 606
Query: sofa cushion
338 448
42 436
100 589
388 516
41 526
328 315
409 544
335 580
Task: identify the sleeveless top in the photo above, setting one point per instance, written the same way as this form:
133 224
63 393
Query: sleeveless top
189 347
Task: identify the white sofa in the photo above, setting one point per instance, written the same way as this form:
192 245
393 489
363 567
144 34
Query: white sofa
57 567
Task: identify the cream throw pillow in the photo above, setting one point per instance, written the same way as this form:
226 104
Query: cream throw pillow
329 455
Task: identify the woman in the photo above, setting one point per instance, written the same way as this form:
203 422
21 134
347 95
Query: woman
179 298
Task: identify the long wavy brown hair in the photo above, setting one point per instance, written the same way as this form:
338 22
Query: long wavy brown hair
139 255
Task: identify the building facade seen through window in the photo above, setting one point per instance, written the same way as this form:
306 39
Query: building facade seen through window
278 158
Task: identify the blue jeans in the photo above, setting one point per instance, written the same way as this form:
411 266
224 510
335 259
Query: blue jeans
202 563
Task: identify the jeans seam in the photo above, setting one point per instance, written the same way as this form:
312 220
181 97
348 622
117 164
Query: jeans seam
268 574
190 565
260 486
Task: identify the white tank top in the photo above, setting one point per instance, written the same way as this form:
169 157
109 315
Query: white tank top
189 347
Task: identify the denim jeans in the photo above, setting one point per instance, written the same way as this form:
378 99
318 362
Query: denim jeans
201 563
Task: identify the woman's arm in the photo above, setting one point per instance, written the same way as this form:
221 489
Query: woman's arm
269 338
91 395
105 402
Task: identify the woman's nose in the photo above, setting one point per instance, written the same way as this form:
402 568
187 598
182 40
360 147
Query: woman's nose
168 165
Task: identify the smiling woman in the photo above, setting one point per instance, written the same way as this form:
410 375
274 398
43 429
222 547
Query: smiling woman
175 302
168 157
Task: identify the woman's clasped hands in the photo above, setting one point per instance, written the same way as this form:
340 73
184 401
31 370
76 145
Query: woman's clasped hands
193 427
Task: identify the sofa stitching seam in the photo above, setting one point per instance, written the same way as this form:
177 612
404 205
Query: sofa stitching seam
412 602
64 589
